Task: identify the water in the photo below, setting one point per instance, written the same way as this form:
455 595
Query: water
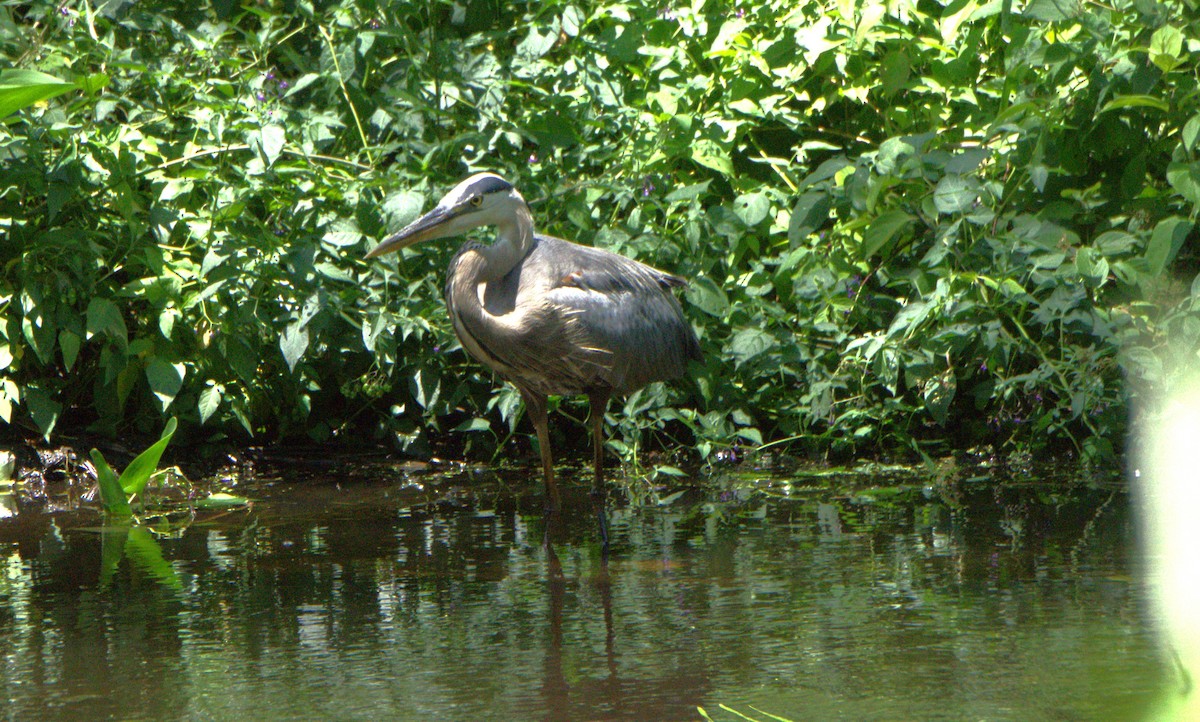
390 595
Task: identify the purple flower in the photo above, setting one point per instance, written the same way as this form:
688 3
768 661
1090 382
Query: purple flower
647 187
983 367
741 13
260 96
271 75
283 85
533 158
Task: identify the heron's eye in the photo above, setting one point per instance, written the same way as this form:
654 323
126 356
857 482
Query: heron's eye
476 201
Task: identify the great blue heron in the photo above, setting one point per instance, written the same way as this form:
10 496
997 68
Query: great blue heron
551 316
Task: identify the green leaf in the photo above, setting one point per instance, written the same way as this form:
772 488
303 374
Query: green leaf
1166 48
1165 243
43 409
23 88
1191 132
103 317
883 230
165 380
112 497
293 342
1092 267
1136 101
1185 178
748 343
706 295
210 401
810 213
137 474
221 500
69 344
954 194
270 143
710 155
752 208
1053 10
939 393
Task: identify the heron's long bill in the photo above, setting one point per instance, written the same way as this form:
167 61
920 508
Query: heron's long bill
424 228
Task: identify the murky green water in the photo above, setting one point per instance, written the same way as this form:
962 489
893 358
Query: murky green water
418 597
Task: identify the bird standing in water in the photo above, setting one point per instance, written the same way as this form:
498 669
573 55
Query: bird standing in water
551 316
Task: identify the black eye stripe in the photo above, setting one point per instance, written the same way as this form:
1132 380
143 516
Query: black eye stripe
490 184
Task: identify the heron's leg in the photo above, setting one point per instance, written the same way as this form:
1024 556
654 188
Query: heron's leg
535 406
599 404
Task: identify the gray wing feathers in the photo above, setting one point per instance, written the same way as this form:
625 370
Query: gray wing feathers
623 307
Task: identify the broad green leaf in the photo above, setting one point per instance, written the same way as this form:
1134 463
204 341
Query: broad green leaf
1191 132
43 409
103 317
1166 47
688 192
710 155
1185 178
706 295
1053 10
883 230
112 497
68 344
210 401
23 88
165 380
137 474
810 213
954 194
939 393
1165 243
293 342
402 207
748 343
752 208
270 143
1092 267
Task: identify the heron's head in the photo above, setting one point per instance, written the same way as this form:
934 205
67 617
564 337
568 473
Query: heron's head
484 199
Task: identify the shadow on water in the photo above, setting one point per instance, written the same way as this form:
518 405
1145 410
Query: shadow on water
409 596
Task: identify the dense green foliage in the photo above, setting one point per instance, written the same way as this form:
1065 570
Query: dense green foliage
905 221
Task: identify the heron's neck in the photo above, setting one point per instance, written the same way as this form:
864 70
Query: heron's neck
514 238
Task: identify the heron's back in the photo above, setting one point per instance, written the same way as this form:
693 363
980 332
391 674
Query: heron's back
586 319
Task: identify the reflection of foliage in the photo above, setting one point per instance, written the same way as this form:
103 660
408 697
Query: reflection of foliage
901 222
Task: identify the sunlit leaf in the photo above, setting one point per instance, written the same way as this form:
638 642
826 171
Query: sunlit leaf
883 230
133 480
705 294
1136 101
23 88
210 401
1165 243
293 342
112 496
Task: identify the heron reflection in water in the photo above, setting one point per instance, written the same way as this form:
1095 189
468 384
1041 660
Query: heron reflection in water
551 316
